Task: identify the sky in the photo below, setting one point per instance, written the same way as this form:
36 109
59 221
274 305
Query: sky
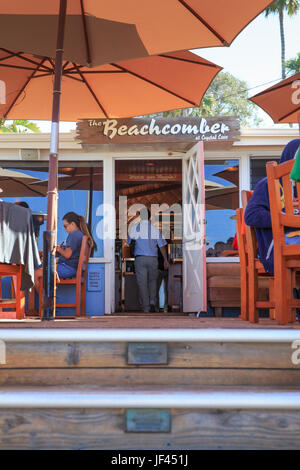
254 56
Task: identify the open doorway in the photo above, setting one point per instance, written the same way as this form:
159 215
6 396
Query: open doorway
156 185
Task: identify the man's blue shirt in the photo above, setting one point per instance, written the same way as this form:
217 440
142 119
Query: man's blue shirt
147 239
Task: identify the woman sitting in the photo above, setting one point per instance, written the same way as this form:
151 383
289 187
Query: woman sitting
69 251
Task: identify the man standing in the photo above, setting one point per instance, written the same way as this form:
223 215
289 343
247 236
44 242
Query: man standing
148 239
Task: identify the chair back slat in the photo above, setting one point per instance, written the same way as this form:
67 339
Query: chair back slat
275 199
242 246
251 241
282 168
296 195
85 252
287 196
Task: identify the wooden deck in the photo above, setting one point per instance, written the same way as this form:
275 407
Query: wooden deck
144 321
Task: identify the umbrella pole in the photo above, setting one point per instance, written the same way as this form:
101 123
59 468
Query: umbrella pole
49 248
91 199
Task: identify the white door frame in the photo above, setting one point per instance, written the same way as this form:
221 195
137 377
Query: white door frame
109 183
194 231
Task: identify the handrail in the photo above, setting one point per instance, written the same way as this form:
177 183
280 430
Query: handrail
201 335
204 399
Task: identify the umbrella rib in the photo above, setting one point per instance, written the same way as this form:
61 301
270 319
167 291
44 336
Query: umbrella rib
71 71
208 26
155 84
288 114
26 186
19 67
24 86
65 65
276 87
19 54
86 37
71 185
52 73
190 61
90 90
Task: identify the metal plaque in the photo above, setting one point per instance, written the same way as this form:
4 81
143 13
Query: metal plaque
94 280
147 353
148 420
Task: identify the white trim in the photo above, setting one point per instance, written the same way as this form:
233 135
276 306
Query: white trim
221 259
99 260
108 243
106 335
113 398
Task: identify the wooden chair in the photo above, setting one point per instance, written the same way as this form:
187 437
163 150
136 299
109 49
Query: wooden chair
286 257
17 301
243 255
255 273
79 281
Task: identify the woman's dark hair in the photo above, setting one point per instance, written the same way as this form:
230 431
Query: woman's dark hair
79 220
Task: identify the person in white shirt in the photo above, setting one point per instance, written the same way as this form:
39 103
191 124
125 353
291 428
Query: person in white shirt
148 240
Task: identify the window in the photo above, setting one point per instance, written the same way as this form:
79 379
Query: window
80 187
258 169
221 201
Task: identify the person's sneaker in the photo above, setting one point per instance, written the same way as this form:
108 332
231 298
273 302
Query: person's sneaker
152 308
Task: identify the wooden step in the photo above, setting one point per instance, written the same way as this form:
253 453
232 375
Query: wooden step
102 418
102 357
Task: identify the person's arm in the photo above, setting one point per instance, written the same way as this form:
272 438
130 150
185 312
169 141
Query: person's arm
257 213
163 250
73 243
65 252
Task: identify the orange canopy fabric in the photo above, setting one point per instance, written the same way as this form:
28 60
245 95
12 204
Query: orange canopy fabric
281 101
104 31
122 89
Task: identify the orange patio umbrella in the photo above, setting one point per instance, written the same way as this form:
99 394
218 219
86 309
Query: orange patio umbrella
121 89
104 31
17 184
281 101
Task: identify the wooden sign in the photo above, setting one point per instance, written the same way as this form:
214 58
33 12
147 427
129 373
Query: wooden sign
147 130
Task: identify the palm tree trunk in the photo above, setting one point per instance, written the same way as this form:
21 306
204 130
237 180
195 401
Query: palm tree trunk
282 38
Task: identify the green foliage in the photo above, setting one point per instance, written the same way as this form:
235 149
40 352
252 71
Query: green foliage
19 125
293 65
226 96
279 7
290 6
